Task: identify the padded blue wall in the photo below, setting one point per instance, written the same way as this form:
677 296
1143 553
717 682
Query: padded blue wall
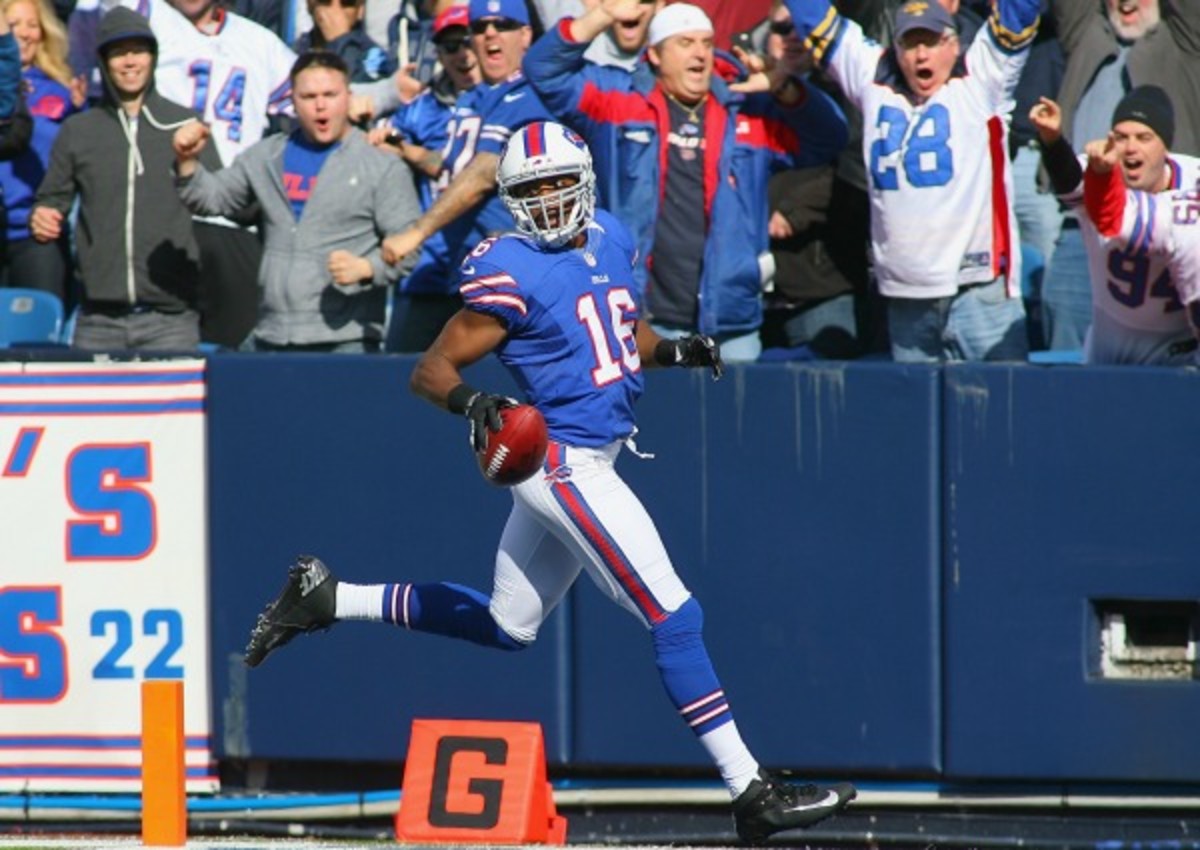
799 503
335 457
1065 486
896 566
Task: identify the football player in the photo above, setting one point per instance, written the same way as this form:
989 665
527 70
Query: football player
556 303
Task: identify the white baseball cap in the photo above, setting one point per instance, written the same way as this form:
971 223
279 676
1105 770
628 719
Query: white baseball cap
677 18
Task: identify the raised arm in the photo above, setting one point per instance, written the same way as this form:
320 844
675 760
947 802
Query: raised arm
467 189
226 192
1057 155
1104 193
573 91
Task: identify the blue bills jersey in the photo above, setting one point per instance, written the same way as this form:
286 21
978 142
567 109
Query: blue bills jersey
571 315
482 121
423 122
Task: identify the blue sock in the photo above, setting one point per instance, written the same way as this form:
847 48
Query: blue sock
686 670
445 609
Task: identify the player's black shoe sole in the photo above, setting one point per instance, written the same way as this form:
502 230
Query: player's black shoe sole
771 805
308 602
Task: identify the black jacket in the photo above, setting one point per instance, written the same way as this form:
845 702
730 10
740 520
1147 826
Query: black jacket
15 132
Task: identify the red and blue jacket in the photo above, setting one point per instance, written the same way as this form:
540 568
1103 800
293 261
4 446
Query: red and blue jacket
624 118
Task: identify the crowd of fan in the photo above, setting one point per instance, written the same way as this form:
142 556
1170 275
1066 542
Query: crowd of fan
344 164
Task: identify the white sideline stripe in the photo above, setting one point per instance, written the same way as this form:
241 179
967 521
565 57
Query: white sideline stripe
932 799
582 797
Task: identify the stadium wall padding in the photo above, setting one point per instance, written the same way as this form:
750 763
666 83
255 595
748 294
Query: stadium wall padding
898 566
1065 487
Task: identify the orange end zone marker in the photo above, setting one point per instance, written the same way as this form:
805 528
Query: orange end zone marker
164 798
477 781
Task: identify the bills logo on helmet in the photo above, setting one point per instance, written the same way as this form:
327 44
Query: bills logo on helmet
574 138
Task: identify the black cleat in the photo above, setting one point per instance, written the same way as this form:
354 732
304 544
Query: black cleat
771 805
307 603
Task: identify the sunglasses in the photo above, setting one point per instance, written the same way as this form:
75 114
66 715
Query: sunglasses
782 27
501 25
345 4
450 46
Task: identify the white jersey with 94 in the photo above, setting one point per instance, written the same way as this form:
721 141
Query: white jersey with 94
939 177
1144 257
235 77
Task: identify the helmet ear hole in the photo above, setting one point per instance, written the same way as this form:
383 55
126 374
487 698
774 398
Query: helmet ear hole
546 181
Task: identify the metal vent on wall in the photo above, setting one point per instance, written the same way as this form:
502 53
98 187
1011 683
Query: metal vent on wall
1147 640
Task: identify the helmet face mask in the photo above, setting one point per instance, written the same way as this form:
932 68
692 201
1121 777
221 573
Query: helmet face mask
545 179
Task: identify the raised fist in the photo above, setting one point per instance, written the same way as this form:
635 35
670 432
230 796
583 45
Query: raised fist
190 139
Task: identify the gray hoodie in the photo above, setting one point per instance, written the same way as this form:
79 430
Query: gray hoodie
361 196
134 235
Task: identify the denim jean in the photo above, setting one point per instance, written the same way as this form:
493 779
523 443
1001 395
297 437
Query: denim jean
743 346
1039 221
1067 292
829 329
978 323
1039 218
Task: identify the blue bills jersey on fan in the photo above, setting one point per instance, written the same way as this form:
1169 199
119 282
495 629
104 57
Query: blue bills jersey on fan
571 315
482 121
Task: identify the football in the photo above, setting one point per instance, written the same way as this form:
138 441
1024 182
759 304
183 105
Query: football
517 450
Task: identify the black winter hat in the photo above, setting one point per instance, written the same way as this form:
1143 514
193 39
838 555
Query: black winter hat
1151 106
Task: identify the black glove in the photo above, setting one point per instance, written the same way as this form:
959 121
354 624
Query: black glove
691 351
482 411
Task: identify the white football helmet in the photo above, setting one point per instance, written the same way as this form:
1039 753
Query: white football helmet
538 152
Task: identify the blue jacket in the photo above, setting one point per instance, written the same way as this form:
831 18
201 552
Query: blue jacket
50 104
624 118
10 75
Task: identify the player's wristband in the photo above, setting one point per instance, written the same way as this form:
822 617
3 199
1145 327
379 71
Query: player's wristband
666 352
460 398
